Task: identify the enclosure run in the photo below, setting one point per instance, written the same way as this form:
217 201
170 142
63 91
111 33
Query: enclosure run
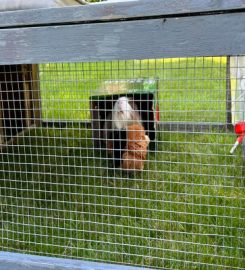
117 122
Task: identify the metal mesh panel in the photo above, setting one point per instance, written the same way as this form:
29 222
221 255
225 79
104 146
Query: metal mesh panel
62 195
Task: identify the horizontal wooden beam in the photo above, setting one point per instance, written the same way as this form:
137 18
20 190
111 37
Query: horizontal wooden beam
215 35
116 11
32 262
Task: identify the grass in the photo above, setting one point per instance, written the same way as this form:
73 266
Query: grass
62 197
191 89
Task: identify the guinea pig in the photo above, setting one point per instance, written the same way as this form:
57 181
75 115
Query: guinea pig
124 113
135 151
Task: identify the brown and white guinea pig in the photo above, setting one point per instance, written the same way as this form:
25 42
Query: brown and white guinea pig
136 148
124 113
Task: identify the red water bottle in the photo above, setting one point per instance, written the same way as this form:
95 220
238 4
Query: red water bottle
240 131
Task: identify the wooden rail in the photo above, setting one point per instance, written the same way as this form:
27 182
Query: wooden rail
130 30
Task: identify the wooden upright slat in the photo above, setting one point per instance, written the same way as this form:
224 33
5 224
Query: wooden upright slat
36 95
27 94
19 101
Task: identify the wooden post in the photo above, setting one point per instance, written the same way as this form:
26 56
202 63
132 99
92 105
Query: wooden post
32 97
26 78
237 74
20 100
36 95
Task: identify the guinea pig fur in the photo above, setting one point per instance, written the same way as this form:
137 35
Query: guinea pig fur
136 148
124 113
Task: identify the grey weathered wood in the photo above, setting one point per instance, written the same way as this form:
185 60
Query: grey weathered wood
222 34
117 11
32 262
6 5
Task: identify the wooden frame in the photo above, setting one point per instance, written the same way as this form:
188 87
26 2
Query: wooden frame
107 12
94 33
114 31
20 101
33 262
38 36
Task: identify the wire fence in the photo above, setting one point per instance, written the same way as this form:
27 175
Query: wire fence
125 161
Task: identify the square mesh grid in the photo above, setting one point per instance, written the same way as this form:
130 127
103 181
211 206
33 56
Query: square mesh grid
61 194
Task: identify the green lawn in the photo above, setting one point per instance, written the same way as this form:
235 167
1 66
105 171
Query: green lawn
190 89
61 197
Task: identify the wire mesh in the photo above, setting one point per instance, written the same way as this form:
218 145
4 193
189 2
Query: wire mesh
62 193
